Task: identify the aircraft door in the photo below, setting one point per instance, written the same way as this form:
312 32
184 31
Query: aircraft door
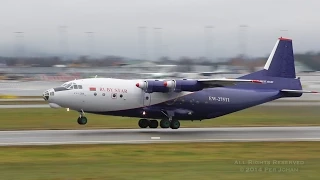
79 94
146 99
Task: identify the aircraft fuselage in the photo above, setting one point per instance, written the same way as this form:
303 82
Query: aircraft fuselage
182 99
120 97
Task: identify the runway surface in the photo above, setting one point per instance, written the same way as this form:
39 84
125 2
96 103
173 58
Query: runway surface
136 136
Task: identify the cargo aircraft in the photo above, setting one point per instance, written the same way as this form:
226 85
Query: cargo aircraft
172 100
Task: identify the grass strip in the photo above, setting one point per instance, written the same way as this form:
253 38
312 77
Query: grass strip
47 118
279 160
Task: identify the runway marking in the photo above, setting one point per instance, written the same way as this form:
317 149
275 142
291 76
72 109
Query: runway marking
163 141
155 137
13 133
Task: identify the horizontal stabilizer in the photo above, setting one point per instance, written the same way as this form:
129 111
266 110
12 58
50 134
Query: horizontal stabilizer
297 91
229 82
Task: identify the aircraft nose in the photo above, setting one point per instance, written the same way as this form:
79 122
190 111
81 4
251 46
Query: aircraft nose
47 94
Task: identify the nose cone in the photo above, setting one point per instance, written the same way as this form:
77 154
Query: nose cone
45 95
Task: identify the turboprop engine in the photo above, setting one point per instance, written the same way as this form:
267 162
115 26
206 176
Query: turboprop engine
151 86
183 85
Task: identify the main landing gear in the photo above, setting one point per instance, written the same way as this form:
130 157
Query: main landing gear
164 123
82 120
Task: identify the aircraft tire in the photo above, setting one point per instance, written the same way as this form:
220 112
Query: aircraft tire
164 123
82 120
153 124
175 124
143 123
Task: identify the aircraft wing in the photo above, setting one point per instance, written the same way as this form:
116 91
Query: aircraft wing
191 85
227 82
297 91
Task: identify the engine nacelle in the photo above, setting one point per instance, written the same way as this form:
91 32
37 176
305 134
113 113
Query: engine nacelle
151 86
183 85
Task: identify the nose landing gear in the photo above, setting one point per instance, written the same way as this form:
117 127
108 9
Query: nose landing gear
82 120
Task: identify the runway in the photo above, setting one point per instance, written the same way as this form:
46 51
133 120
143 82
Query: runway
136 136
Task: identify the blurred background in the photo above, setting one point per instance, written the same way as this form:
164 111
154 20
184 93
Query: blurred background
45 43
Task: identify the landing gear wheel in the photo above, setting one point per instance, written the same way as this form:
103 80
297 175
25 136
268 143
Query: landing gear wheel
143 123
175 124
153 124
164 123
82 120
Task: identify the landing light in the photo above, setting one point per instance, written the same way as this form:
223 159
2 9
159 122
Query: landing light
143 113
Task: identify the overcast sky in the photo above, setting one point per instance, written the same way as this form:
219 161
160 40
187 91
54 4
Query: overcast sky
115 25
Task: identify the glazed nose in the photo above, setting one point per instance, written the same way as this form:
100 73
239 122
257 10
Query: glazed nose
45 95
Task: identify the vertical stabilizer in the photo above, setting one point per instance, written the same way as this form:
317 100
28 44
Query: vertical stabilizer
281 60
279 68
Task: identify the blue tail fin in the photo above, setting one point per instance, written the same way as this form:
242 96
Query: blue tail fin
281 61
279 68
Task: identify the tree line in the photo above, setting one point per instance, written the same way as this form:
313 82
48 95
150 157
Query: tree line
310 59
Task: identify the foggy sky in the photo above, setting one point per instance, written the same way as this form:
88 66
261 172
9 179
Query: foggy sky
115 25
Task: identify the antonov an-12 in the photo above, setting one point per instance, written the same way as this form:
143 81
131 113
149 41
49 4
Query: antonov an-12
181 99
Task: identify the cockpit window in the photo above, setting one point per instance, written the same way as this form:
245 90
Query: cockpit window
72 85
68 86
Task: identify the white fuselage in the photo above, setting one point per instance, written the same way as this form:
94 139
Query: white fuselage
107 94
